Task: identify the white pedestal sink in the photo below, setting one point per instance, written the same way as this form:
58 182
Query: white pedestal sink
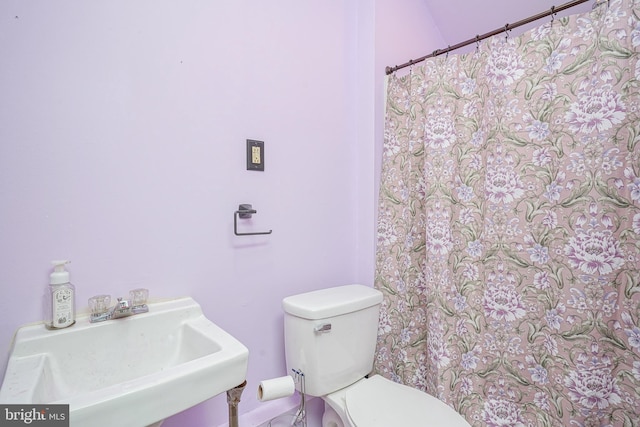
133 371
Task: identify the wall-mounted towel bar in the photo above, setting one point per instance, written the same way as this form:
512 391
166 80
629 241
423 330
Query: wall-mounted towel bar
245 211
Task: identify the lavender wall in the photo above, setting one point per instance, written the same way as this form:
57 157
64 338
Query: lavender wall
122 148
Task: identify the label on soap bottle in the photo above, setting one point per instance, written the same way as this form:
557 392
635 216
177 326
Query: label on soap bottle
62 300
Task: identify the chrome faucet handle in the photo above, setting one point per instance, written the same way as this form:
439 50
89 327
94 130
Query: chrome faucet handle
139 298
99 304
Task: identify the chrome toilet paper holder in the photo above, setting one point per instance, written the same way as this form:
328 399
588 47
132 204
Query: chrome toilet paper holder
245 211
300 418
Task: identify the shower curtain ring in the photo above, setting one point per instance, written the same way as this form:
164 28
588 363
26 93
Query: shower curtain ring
553 14
506 32
599 3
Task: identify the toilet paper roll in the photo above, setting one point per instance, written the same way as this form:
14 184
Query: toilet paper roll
275 388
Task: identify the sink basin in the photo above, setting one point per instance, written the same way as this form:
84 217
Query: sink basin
133 371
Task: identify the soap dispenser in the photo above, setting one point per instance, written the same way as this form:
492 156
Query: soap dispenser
60 298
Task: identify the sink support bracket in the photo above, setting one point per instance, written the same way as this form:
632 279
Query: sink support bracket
233 398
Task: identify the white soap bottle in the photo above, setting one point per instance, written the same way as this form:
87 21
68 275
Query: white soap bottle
60 307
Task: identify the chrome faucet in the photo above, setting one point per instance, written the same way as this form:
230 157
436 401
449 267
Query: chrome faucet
100 310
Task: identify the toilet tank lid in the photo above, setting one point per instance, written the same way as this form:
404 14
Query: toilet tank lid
330 302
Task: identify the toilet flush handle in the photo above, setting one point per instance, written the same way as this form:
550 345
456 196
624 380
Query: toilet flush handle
325 327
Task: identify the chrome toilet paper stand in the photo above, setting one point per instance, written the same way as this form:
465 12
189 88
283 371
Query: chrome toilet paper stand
300 418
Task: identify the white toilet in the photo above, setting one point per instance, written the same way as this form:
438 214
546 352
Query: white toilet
330 336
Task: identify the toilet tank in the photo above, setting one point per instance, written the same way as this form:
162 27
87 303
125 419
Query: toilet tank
330 336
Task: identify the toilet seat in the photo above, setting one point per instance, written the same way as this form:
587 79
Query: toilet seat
379 402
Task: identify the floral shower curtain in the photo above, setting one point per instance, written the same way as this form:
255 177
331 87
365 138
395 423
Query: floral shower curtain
509 226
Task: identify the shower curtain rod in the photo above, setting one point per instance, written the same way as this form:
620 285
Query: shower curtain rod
476 39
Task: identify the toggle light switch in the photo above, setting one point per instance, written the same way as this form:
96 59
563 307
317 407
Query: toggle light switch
255 155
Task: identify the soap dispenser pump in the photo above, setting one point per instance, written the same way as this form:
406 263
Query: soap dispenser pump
60 298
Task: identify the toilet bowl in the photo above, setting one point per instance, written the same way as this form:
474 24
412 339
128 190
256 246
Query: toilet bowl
379 402
330 337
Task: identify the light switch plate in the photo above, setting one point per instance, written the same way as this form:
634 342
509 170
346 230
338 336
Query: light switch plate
255 155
